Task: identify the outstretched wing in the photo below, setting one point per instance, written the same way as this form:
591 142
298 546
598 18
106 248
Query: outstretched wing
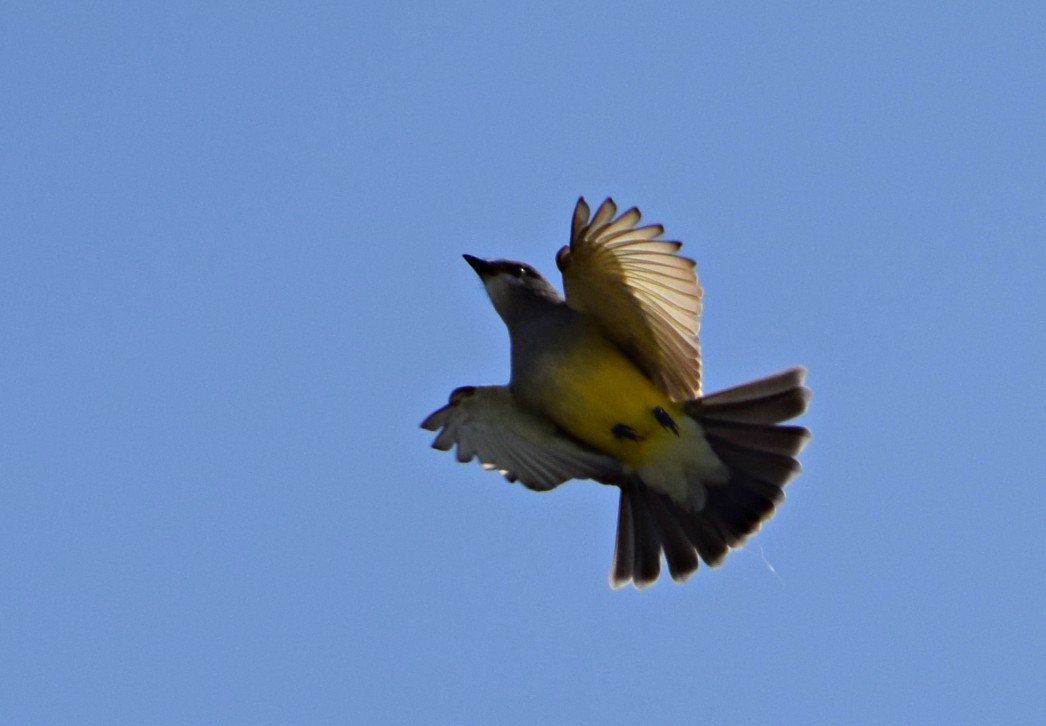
643 294
486 422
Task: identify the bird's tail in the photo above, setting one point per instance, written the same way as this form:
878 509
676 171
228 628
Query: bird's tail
742 425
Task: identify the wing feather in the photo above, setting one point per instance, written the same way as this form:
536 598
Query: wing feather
625 223
486 423
644 296
603 215
646 232
637 246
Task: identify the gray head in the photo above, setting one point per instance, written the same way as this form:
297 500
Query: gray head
513 287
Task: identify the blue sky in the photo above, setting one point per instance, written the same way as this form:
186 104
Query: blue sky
231 288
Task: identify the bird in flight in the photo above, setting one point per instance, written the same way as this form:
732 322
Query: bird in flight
606 385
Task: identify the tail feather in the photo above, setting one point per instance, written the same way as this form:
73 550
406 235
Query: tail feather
625 547
740 507
781 440
646 566
739 424
769 400
707 537
647 524
771 468
782 382
679 550
637 554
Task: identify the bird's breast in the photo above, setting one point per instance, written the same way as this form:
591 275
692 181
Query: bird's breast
592 391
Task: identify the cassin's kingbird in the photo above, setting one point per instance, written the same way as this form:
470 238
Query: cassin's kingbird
606 385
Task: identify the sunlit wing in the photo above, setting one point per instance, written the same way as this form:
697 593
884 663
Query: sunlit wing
486 423
643 294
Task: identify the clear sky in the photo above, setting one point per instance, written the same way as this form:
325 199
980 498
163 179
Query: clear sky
231 288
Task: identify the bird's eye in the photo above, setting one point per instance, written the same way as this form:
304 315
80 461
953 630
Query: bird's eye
522 271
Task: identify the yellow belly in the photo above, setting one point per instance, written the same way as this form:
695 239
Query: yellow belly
593 388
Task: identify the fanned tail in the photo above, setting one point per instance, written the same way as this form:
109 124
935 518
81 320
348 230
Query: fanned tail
742 425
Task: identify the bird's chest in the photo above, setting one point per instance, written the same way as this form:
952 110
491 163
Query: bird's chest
592 391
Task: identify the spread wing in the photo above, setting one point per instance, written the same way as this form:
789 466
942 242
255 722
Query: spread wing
643 294
486 422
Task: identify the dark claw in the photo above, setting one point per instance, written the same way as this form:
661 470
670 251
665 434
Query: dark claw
665 420
624 431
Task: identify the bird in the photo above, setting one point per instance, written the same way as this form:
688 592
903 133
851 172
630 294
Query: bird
605 385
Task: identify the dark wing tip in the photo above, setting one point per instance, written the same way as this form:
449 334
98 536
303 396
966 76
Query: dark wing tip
435 420
579 220
563 258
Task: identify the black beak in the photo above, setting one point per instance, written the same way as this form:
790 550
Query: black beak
482 267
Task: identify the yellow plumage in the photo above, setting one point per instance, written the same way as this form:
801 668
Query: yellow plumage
591 387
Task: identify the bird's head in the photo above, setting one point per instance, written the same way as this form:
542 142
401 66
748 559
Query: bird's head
512 286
